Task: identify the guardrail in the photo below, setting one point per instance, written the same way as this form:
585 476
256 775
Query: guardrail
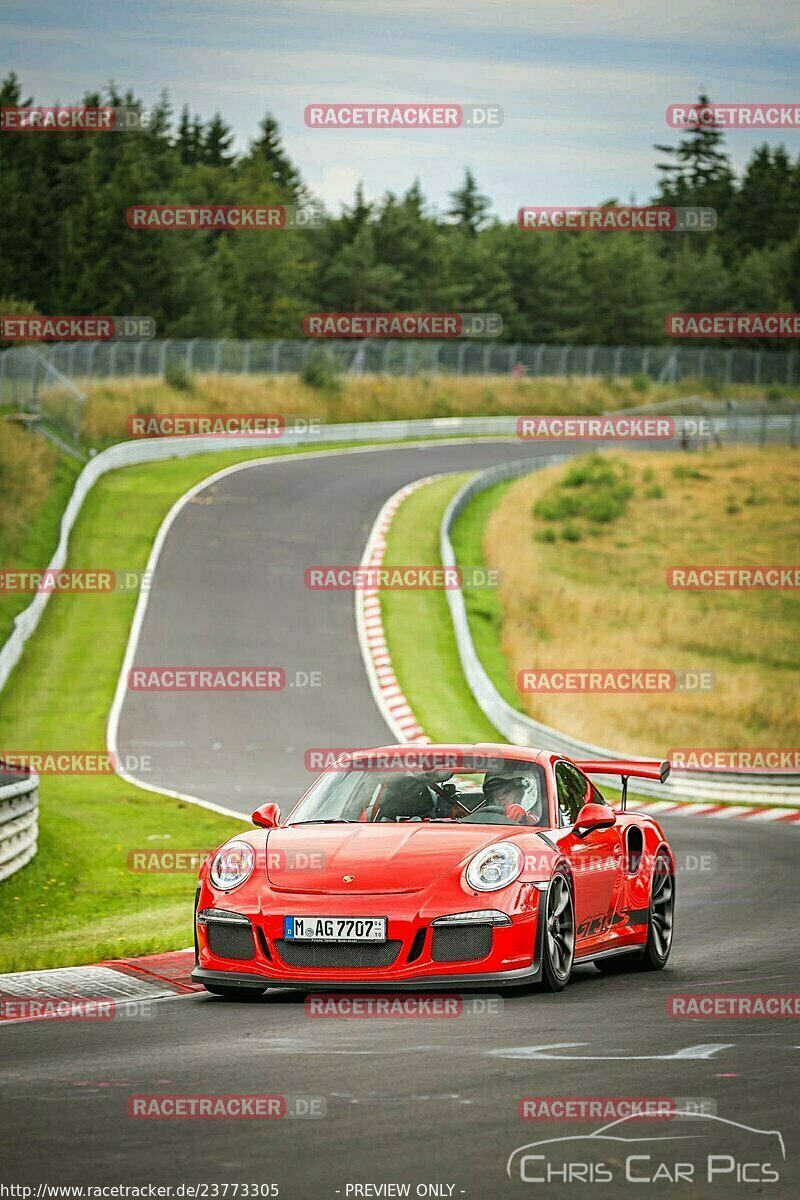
767 788
19 818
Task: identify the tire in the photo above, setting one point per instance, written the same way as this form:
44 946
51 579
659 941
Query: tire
558 935
242 994
661 921
660 924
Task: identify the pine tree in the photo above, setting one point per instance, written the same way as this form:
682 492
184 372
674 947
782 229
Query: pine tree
469 207
698 169
766 208
188 148
217 143
268 150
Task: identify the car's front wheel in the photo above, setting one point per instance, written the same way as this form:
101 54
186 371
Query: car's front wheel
242 994
558 937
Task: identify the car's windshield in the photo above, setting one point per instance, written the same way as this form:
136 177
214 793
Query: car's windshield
431 786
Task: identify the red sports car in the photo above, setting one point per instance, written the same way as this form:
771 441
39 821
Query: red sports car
439 866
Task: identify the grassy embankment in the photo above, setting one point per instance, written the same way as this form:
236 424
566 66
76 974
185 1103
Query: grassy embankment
35 483
583 553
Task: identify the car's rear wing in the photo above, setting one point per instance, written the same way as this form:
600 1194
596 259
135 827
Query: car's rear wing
627 768
636 768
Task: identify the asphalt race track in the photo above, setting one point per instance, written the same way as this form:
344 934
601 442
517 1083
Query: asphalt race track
428 1101
229 591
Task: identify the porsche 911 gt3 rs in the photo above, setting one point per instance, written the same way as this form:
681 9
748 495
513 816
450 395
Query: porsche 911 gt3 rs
439 867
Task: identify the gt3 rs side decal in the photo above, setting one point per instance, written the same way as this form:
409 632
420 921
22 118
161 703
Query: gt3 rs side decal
604 922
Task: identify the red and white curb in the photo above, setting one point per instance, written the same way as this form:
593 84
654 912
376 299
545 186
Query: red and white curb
725 812
400 718
119 987
386 690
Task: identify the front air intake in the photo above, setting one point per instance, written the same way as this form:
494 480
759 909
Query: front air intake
227 940
459 943
338 954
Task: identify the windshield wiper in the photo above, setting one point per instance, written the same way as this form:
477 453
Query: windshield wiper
324 821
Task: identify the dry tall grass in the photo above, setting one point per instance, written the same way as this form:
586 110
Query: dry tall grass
359 398
27 464
603 602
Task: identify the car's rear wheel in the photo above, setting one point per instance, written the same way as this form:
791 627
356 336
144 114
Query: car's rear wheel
662 917
660 924
242 994
558 940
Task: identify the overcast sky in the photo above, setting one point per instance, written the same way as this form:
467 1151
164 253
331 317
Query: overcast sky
584 84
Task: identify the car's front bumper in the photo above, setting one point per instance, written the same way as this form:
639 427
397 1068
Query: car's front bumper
512 955
235 979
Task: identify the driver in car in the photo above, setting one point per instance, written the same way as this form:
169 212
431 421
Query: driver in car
515 795
421 797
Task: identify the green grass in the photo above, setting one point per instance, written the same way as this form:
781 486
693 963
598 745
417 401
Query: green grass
77 901
484 610
419 630
593 491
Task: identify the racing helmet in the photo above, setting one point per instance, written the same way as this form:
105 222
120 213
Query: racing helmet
510 786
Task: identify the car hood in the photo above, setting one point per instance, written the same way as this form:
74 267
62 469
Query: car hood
401 857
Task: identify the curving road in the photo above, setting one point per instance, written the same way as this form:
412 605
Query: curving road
229 590
418 1102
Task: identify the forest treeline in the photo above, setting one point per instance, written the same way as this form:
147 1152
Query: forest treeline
65 245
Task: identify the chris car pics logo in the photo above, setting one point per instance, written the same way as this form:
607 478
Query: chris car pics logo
710 1152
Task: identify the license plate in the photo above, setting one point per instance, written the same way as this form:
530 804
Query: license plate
334 929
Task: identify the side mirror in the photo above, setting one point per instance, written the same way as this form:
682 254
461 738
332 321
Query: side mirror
594 816
268 816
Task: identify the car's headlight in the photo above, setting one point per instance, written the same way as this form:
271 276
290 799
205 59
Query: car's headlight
494 867
231 865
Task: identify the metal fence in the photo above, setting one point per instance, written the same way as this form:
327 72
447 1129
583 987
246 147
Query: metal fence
83 362
49 381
